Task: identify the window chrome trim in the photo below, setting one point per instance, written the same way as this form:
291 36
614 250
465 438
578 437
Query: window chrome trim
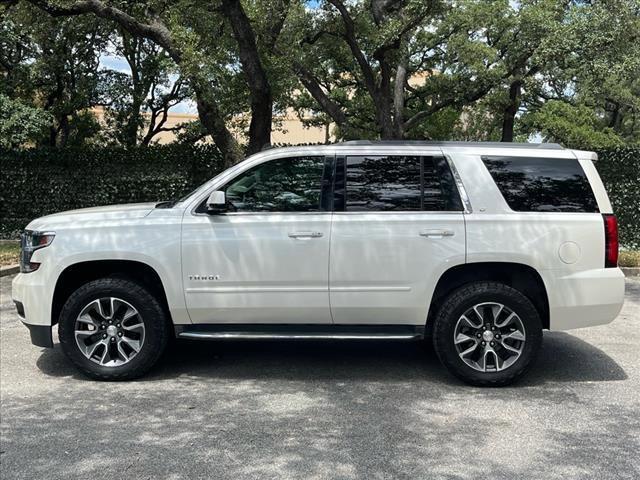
461 190
242 214
402 212
228 178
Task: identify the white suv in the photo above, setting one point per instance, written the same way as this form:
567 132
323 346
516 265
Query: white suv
478 246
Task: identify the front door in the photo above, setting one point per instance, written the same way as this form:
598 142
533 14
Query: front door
397 227
266 261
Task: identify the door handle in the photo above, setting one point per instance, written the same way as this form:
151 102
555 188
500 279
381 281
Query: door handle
305 234
437 233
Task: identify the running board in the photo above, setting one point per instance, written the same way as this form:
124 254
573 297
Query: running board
299 332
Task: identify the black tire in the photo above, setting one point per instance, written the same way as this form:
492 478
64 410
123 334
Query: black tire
459 302
151 313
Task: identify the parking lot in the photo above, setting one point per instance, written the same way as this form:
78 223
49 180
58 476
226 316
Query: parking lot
324 410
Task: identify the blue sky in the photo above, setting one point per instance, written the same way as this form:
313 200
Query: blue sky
113 62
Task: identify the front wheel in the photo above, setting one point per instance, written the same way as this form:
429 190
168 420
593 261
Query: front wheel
487 334
113 329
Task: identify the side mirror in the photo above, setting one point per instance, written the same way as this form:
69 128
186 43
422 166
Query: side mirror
217 202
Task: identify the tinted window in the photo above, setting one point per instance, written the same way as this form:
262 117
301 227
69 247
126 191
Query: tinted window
399 183
383 183
542 184
440 190
283 185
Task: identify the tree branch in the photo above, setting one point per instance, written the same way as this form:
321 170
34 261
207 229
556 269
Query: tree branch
155 30
350 37
313 87
275 27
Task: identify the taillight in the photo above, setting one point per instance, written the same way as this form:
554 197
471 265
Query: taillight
610 240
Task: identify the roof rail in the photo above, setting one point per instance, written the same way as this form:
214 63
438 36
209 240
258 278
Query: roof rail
546 146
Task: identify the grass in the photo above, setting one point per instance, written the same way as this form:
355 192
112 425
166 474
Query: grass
9 254
629 258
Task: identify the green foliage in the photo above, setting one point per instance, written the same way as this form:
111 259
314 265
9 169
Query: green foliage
606 65
20 124
475 69
572 126
39 182
53 65
620 172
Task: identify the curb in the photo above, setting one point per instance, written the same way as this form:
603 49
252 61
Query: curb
631 271
10 270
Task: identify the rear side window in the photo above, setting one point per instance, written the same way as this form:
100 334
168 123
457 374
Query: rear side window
399 183
531 184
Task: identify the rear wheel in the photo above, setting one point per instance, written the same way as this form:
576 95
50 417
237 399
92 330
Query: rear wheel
487 334
113 329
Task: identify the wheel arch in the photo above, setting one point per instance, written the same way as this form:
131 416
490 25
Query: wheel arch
523 278
77 274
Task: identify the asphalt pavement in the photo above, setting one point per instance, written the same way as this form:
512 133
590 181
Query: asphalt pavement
324 410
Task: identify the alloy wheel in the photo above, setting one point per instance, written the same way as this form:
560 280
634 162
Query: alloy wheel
489 337
109 331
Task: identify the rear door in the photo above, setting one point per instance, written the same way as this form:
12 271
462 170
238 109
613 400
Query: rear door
398 225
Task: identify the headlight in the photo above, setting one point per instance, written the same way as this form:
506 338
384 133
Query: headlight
31 241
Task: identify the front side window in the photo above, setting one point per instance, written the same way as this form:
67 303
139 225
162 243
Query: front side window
531 184
399 183
283 185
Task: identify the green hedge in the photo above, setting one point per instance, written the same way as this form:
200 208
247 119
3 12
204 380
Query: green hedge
620 172
38 182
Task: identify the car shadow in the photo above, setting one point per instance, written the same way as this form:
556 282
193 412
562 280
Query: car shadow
563 358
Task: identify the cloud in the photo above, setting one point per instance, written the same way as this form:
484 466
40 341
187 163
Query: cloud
114 62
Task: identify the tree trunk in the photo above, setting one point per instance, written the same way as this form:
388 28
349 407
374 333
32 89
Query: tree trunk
63 131
259 87
509 117
53 136
213 122
133 122
383 100
398 101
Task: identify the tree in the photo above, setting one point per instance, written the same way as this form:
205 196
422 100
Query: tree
576 65
21 124
16 50
389 67
185 47
441 69
138 101
54 66
595 99
575 126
